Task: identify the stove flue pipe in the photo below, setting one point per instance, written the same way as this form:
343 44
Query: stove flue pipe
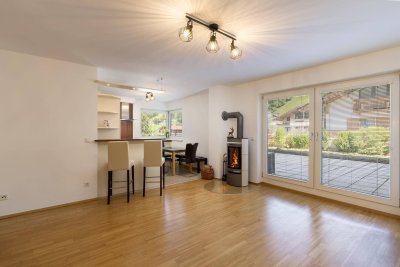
239 117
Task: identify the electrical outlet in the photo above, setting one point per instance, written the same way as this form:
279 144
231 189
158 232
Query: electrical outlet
88 140
3 197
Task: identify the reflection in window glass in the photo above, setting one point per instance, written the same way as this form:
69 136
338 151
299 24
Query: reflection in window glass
288 137
356 140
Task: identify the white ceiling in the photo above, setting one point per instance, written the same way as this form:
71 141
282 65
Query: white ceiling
136 41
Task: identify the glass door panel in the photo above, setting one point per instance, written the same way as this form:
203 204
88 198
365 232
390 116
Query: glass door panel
355 140
288 136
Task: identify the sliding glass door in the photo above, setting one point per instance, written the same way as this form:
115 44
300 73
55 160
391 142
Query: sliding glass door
289 132
357 125
342 138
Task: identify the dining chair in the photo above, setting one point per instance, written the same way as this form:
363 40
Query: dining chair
167 156
190 155
118 160
153 158
166 143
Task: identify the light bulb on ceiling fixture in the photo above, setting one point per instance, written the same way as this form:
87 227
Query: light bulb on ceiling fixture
149 96
236 52
186 33
212 45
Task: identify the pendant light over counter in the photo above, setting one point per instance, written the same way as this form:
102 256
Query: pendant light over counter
186 35
149 96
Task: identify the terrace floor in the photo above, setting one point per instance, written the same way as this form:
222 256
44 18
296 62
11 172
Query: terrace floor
360 176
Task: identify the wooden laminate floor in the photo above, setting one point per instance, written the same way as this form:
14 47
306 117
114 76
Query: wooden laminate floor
190 226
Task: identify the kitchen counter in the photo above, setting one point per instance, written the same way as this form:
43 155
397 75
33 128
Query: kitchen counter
131 140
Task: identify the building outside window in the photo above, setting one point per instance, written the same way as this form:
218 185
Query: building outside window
301 115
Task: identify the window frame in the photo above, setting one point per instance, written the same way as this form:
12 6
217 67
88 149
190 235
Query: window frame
315 113
169 112
393 81
296 92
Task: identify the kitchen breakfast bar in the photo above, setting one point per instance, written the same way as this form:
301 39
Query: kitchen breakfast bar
136 153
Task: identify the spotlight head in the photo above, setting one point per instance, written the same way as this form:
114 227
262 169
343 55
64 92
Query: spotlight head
186 33
212 46
236 52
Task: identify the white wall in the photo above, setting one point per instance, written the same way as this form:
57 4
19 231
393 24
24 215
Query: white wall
246 98
47 109
220 99
194 120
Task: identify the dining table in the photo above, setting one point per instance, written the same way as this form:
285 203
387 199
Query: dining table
173 150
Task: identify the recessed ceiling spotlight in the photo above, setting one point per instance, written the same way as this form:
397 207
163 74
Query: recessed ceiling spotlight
114 85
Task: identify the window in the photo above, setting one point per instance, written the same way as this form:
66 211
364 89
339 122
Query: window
301 115
343 139
356 149
374 91
288 148
175 123
153 123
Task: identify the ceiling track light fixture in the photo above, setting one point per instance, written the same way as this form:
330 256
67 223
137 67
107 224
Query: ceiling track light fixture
186 35
149 92
132 87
